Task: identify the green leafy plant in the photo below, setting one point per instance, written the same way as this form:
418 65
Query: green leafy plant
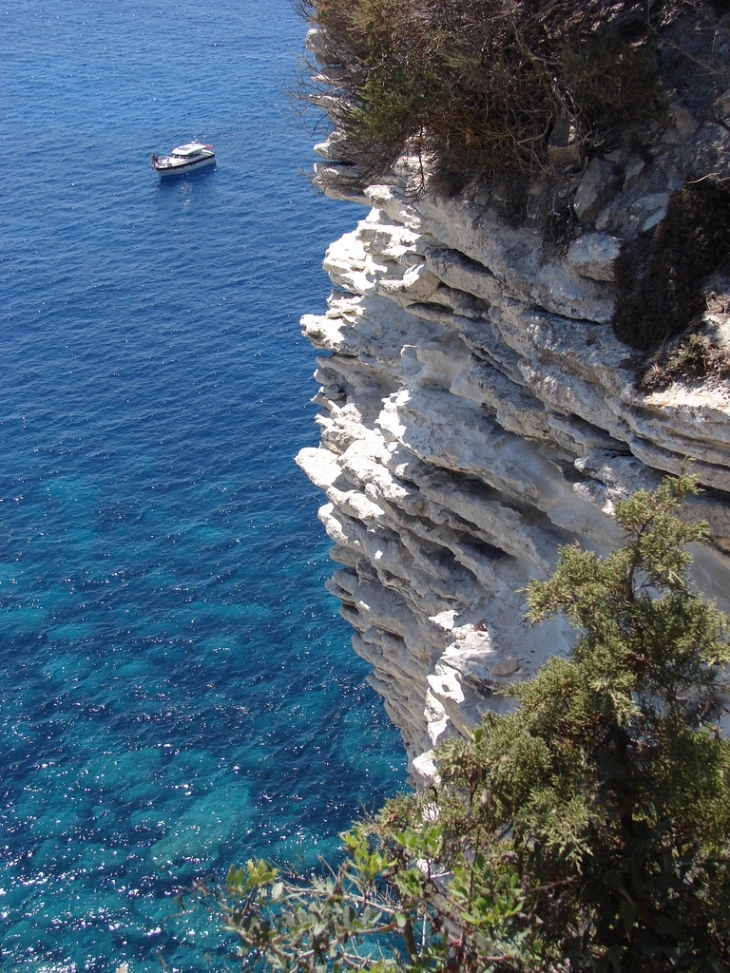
588 830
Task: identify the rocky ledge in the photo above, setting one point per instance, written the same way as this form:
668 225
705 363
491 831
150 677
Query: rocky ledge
478 413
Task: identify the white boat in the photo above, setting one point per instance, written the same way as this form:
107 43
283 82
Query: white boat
184 158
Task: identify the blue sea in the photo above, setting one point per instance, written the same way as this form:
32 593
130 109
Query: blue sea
178 689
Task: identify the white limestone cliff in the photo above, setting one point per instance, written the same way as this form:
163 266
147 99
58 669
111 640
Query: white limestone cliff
477 413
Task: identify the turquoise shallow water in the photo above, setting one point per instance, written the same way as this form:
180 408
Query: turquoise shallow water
178 690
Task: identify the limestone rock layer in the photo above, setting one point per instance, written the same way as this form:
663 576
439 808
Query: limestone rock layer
477 414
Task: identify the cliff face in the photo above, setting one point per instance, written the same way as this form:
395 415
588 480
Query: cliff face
477 413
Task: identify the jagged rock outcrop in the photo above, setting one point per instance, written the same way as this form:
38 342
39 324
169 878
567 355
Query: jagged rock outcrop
478 412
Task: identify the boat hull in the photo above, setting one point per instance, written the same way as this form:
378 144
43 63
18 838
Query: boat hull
177 169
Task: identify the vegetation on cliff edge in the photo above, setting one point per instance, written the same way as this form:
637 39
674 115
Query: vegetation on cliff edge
660 276
478 85
587 831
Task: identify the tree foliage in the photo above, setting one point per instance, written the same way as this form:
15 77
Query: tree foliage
588 830
477 85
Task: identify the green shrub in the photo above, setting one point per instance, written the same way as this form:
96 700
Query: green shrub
659 274
588 831
609 77
476 85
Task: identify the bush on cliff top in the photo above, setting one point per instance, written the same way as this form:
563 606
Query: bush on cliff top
477 85
659 274
587 831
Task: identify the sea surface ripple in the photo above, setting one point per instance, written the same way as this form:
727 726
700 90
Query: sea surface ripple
178 690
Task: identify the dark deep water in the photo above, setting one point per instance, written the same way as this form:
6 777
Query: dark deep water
178 691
